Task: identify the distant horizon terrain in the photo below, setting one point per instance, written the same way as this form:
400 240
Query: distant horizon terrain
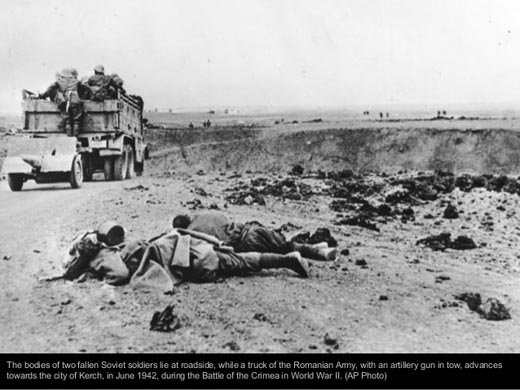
496 108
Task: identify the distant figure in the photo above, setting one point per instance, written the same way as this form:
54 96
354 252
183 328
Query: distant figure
444 112
387 115
190 125
368 112
208 123
381 115
438 113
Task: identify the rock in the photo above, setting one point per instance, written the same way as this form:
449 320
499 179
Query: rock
139 187
6 258
407 215
165 321
200 191
330 340
494 310
384 210
297 170
443 241
214 206
361 262
260 317
473 300
437 243
383 298
345 252
232 345
450 212
463 243
200 172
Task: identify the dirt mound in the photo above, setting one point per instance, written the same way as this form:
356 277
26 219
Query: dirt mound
478 151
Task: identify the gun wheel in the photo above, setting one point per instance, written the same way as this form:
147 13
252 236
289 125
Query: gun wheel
15 181
76 172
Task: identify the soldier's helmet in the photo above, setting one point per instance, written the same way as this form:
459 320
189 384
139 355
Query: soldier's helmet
118 80
99 68
66 72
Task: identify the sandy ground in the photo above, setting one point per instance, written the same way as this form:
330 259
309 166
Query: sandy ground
274 311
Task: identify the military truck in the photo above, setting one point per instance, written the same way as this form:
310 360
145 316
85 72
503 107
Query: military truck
109 139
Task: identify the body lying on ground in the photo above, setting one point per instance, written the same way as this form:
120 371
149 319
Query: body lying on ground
250 236
174 257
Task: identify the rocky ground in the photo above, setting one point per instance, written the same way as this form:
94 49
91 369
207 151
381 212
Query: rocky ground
429 261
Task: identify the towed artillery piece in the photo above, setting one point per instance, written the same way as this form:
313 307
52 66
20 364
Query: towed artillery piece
109 139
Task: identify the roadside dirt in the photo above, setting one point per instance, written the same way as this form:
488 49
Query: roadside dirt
386 295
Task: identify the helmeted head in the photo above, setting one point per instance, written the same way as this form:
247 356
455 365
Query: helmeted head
118 80
99 69
181 221
74 72
66 72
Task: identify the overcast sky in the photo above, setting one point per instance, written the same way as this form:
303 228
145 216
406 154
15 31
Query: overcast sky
244 52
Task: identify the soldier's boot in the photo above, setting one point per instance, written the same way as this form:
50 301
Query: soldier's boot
320 245
316 253
292 261
74 127
62 125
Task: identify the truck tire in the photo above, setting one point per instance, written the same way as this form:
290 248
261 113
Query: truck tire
120 165
108 168
130 170
15 181
76 172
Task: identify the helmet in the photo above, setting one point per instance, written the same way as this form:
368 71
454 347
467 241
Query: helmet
99 68
66 72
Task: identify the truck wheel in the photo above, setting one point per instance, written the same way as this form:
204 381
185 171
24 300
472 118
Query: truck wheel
120 165
108 168
130 172
76 172
15 181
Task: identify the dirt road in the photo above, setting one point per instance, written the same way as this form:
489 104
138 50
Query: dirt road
401 301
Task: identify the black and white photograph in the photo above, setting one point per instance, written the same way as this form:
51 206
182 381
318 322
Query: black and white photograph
258 176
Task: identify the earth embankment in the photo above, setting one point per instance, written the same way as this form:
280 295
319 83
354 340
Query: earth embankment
478 151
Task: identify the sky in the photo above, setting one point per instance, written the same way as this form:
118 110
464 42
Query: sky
217 53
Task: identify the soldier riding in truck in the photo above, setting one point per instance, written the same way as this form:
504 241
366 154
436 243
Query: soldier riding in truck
85 126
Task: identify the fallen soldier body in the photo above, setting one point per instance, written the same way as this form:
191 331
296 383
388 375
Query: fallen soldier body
172 258
250 236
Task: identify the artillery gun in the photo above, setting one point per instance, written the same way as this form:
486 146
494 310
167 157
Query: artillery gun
109 139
